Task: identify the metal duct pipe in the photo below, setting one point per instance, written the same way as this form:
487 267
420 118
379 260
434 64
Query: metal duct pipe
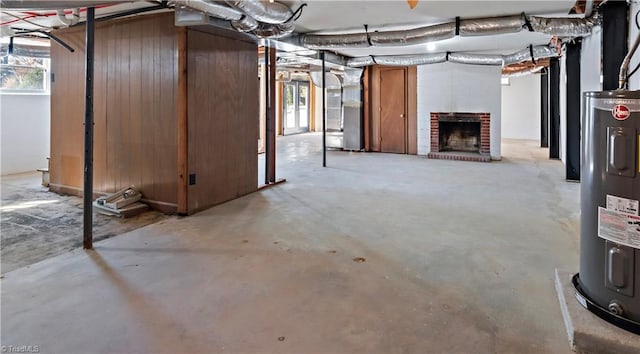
75 17
539 52
267 12
274 30
476 59
563 27
54 4
239 20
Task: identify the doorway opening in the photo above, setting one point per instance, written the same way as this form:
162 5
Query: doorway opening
296 107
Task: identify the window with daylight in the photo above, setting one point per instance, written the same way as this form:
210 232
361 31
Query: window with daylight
24 74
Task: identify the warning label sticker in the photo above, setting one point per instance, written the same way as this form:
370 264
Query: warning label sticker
622 204
619 227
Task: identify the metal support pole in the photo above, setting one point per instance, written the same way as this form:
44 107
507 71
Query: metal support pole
270 150
267 138
554 109
544 110
324 112
572 131
88 131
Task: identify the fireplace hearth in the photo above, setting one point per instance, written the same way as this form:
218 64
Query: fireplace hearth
460 136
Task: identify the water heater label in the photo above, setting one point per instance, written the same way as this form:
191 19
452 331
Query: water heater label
622 204
619 227
620 108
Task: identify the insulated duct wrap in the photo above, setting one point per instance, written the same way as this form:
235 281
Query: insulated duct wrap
274 31
562 27
352 76
476 59
401 60
491 26
263 11
413 36
210 8
239 21
357 40
539 52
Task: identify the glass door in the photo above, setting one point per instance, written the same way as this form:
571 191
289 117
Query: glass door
296 107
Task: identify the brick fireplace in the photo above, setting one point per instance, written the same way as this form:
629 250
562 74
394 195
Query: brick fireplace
460 136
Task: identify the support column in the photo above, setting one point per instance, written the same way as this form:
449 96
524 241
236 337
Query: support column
572 159
87 190
324 112
270 137
183 126
544 110
554 109
615 29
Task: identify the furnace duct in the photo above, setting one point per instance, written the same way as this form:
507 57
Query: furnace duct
562 27
262 11
532 53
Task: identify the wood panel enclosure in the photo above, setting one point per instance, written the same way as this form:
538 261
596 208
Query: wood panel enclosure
223 111
143 122
384 103
134 109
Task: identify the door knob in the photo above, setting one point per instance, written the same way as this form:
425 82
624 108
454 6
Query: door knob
402 115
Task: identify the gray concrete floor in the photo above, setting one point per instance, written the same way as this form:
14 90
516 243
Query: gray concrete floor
37 224
377 253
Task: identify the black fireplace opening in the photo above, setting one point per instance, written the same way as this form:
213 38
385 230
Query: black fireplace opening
459 136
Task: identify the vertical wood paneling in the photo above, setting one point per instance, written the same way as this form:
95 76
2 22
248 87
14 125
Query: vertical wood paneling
67 112
223 107
183 126
135 109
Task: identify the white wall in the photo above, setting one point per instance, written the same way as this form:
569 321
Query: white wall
563 105
634 81
521 108
24 125
450 87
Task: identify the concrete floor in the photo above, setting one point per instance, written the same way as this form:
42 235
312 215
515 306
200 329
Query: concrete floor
377 253
37 224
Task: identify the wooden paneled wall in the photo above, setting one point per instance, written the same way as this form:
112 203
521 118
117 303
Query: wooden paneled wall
373 91
135 109
223 112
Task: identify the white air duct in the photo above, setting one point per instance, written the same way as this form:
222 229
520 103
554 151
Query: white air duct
263 11
531 53
562 27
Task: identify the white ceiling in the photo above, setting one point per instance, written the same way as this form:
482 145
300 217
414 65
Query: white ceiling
347 16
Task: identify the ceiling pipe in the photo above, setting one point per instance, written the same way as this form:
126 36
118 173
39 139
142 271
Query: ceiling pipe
263 11
532 53
562 27
239 20
75 17
54 4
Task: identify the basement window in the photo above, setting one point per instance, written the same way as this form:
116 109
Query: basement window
24 74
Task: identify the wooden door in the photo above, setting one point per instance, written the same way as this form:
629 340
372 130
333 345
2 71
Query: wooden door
393 121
